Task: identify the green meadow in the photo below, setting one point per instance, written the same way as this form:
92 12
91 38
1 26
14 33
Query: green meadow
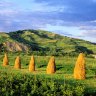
15 82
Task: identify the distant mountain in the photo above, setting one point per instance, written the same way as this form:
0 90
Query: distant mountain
43 43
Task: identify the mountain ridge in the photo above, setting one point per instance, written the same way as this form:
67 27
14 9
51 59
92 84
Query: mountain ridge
45 42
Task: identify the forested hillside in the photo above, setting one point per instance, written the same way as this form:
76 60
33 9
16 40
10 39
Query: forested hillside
44 43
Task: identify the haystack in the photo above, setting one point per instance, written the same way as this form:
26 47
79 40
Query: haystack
51 68
5 60
17 63
79 70
32 64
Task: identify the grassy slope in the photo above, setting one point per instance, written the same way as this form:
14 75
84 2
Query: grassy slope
65 65
64 73
38 40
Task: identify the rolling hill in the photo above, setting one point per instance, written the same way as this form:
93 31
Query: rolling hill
44 43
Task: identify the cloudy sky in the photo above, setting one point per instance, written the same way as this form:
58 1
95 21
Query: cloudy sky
73 18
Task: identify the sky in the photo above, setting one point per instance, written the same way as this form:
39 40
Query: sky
72 18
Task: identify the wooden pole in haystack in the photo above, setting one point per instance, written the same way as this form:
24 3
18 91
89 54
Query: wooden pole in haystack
17 63
51 68
32 64
79 70
5 60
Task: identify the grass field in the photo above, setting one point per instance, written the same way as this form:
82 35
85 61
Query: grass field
63 75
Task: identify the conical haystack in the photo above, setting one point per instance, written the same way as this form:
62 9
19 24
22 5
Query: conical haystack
17 63
32 64
5 60
51 68
79 70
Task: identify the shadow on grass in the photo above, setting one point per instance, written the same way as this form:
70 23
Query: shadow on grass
60 73
91 77
58 67
40 66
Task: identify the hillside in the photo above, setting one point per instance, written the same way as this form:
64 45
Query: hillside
43 43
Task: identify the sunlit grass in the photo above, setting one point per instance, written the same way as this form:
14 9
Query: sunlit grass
64 66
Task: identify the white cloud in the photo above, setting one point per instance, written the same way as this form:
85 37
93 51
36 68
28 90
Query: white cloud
90 33
5 4
8 12
93 21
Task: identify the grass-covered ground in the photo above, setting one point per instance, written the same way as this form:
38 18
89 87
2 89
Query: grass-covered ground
61 83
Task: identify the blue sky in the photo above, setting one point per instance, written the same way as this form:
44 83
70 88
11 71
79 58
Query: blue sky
73 18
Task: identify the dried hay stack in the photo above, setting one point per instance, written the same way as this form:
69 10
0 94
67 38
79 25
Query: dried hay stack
51 68
5 60
17 63
79 70
32 64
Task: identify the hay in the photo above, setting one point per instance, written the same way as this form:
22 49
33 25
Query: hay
5 60
17 63
79 70
51 68
32 64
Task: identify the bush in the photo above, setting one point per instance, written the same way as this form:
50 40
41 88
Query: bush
30 85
